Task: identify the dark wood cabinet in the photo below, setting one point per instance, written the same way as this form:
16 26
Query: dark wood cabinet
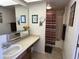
25 55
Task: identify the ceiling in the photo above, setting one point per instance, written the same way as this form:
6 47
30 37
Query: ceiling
53 3
57 3
7 2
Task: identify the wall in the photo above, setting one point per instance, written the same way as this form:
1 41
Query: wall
59 18
40 9
71 32
8 16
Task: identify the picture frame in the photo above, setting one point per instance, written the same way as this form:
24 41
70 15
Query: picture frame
72 14
23 19
1 18
34 18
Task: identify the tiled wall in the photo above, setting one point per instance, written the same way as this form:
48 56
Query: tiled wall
50 26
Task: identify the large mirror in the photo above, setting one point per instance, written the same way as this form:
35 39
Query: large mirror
14 23
8 20
16 17
22 15
13 19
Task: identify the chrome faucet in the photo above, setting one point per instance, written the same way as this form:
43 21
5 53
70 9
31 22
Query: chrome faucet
6 45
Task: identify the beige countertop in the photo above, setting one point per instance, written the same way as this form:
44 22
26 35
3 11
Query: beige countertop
25 43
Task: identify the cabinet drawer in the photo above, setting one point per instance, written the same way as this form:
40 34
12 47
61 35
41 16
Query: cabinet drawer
25 55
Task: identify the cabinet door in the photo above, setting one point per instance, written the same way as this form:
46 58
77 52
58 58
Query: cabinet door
26 54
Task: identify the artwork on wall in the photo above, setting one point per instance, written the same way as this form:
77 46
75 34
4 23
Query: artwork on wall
0 17
34 18
23 19
72 14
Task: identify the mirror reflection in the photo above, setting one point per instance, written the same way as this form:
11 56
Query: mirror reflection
13 19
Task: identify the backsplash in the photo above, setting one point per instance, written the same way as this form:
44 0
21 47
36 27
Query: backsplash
13 36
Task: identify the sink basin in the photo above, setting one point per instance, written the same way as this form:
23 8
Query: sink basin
12 51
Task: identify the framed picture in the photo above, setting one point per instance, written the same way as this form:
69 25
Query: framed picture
0 17
34 18
23 19
72 14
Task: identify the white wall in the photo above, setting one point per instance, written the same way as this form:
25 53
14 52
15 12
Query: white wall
8 16
71 32
40 9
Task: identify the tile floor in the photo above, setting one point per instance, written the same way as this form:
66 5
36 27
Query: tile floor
56 54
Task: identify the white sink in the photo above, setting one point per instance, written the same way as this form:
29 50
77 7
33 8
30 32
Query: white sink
12 51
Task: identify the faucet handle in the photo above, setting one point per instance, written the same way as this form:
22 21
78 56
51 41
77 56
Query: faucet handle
5 45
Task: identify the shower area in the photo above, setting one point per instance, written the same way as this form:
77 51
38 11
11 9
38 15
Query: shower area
54 29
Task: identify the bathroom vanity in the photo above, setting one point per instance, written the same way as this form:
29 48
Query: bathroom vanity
25 48
25 55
